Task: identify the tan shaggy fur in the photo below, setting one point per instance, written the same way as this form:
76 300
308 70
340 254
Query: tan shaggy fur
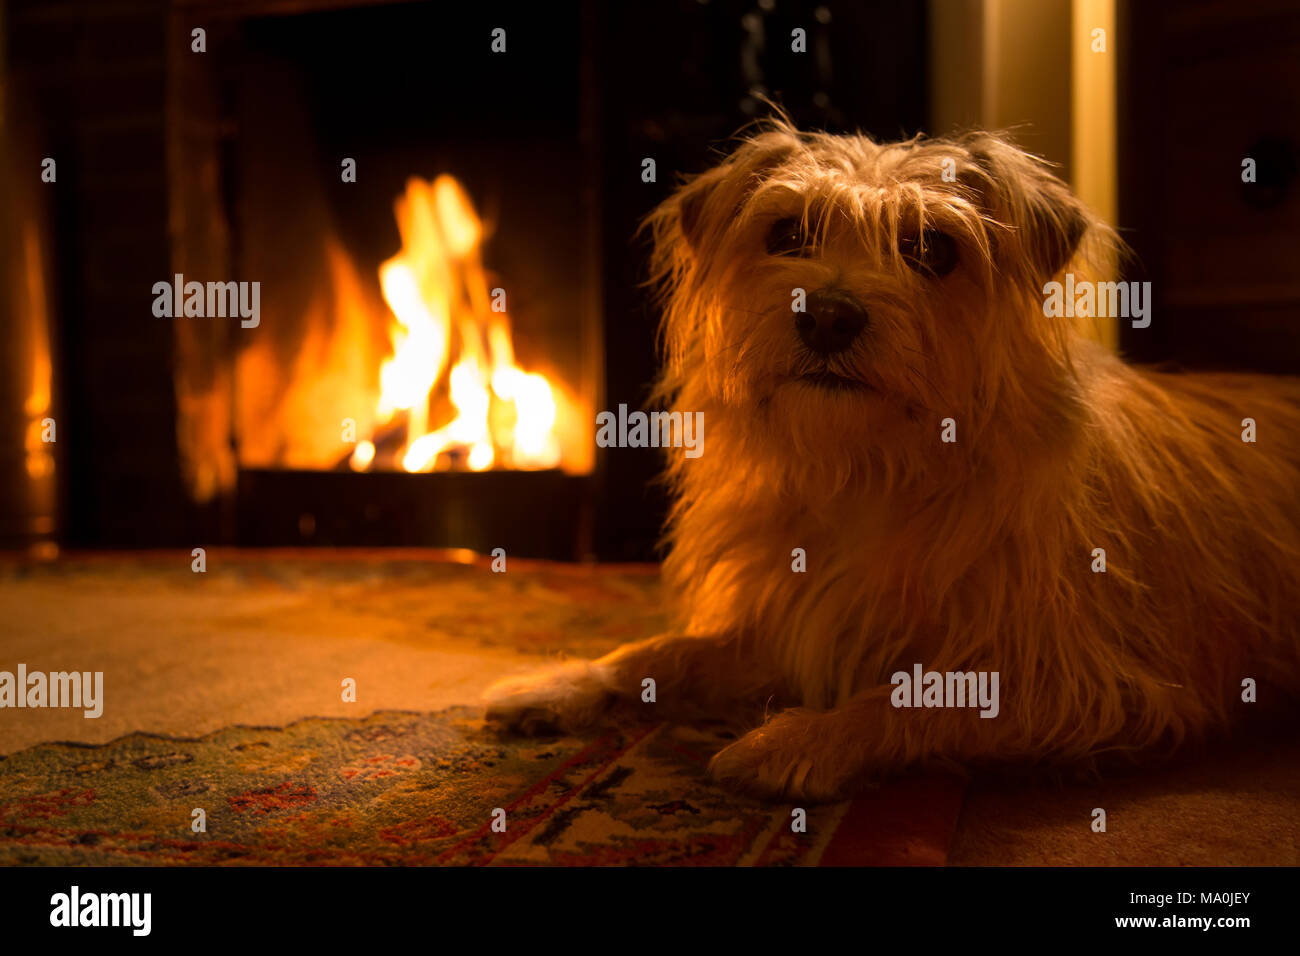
972 555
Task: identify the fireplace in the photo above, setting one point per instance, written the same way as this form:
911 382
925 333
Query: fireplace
423 369
434 208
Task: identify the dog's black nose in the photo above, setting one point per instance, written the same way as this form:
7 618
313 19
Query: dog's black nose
831 322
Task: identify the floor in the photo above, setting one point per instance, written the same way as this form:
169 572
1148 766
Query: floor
267 639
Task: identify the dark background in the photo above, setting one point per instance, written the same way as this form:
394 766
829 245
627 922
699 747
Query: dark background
559 125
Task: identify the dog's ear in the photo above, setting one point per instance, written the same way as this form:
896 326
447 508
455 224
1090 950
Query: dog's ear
692 199
718 195
1045 219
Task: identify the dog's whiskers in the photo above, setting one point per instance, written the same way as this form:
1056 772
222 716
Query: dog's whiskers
916 371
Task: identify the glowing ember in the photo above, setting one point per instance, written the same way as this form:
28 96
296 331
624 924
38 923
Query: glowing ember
451 390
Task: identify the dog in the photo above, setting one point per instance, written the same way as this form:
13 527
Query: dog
972 487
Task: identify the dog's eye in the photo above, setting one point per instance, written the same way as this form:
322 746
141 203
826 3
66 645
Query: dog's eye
787 238
933 253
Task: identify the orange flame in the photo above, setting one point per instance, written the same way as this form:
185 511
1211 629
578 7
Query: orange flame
448 329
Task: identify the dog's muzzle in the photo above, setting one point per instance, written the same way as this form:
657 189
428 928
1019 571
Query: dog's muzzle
831 322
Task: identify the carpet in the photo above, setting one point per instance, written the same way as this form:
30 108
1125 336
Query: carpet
222 694
426 789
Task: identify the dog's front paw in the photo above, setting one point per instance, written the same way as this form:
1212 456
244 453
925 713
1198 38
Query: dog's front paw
791 757
567 698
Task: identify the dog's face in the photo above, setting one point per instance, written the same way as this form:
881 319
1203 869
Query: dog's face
840 295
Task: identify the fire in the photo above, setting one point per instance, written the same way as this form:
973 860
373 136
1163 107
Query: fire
451 392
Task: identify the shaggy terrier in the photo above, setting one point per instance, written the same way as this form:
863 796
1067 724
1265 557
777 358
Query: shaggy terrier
913 472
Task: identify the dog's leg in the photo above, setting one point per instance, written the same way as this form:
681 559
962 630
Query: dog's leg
694 676
826 755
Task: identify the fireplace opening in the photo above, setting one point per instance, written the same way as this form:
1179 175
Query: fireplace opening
426 362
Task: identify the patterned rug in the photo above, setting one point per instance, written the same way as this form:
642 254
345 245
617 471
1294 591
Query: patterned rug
424 789
223 694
